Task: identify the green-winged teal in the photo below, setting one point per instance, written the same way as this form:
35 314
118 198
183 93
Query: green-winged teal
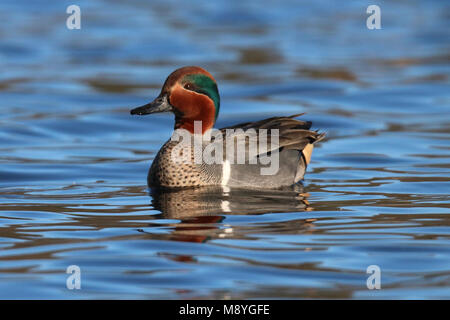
191 94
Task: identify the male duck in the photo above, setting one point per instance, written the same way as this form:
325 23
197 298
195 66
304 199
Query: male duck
191 94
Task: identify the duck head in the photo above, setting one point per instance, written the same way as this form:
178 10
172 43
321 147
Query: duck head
191 94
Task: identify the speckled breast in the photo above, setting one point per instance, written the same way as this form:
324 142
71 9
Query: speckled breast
177 168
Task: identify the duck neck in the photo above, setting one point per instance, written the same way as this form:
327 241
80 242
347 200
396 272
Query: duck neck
195 124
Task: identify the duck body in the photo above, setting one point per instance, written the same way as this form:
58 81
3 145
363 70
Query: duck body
280 158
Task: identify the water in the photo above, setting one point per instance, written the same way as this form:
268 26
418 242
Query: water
74 162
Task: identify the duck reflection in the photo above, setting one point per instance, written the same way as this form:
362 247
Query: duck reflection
201 211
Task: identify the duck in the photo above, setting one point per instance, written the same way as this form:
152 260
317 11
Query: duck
191 94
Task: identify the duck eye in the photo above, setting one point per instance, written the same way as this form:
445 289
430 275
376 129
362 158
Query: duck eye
188 86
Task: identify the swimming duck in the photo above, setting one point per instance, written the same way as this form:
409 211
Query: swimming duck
191 94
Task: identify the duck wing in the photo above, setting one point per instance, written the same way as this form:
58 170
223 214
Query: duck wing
293 134
293 151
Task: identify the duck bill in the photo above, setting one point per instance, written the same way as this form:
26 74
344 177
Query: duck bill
158 105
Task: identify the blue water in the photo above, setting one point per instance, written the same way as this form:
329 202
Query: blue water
74 162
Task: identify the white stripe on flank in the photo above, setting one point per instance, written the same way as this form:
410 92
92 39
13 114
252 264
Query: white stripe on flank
226 172
225 205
